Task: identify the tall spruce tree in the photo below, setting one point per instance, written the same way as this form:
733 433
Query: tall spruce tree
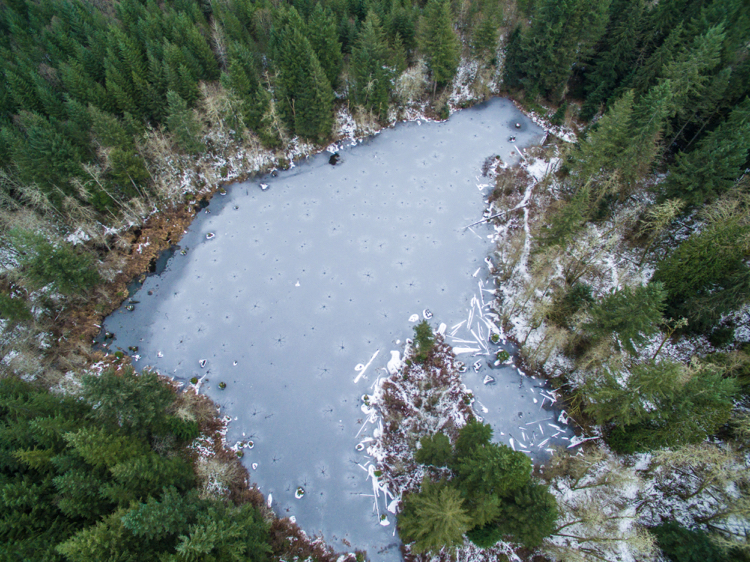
183 124
371 78
632 313
707 276
716 163
304 93
324 39
434 518
440 44
615 58
562 33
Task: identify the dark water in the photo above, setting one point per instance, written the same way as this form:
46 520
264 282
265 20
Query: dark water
286 293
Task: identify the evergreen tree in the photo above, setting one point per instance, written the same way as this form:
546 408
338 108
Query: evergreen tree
528 515
135 402
439 43
631 313
370 77
698 406
424 341
43 263
716 163
13 309
706 276
484 41
324 39
561 33
434 450
492 470
304 93
434 518
183 124
474 435
615 59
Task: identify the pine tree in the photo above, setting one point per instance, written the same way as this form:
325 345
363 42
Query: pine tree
685 407
304 93
183 124
370 78
434 450
433 518
135 402
706 276
632 313
484 41
492 470
528 515
615 59
440 44
324 39
562 32
716 163
44 263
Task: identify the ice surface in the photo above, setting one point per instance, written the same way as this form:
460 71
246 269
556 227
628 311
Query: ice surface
305 288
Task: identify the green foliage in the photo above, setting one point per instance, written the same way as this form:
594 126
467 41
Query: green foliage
492 470
486 536
685 545
13 309
135 402
434 518
633 313
484 42
474 435
569 301
183 125
74 488
528 515
324 40
424 341
716 163
304 93
662 404
43 263
706 276
435 450
561 33
439 43
370 76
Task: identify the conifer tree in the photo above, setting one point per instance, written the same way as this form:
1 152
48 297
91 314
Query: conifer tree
304 93
615 59
484 41
440 44
632 313
324 39
706 276
716 163
562 32
43 263
371 80
675 405
434 518
183 124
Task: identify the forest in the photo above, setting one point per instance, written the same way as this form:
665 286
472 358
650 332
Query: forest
622 274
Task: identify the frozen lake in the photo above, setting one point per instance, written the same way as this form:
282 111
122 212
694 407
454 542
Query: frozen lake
284 291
